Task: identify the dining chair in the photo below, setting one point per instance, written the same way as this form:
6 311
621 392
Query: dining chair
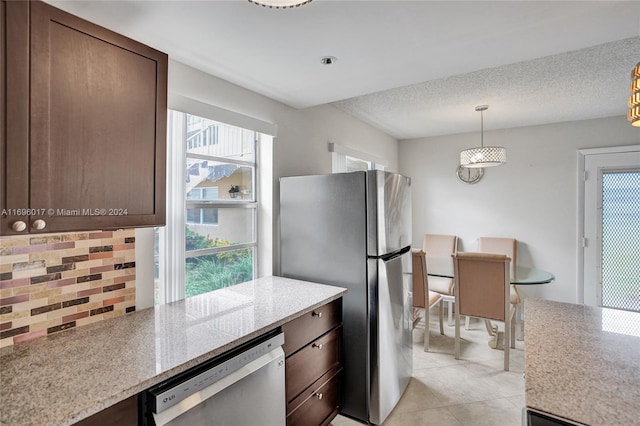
481 288
422 296
508 247
441 246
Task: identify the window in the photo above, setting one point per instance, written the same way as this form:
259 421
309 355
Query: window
345 159
206 216
212 208
210 193
203 215
355 164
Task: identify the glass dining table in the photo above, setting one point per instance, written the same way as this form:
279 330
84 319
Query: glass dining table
520 275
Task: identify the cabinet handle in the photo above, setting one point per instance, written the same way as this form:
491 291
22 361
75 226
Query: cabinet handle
19 226
316 314
317 345
318 395
38 224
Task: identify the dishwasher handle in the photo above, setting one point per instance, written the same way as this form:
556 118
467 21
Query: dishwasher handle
163 418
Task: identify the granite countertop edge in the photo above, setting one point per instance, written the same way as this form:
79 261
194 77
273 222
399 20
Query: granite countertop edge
142 386
213 353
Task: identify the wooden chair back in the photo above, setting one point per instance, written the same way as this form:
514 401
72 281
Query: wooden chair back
506 246
419 276
482 285
436 245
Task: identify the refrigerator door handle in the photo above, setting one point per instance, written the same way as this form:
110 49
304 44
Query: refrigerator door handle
392 255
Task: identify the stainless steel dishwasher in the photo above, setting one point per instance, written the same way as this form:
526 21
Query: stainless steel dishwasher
243 387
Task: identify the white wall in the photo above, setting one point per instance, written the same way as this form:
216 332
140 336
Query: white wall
532 198
301 144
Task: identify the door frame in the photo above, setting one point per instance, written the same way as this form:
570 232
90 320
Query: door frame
581 183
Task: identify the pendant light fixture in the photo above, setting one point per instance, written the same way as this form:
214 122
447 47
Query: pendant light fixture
279 4
484 156
634 99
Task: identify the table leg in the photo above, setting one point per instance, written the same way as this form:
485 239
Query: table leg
518 317
493 333
519 323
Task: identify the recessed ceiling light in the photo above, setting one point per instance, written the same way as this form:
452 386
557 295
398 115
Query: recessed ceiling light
328 60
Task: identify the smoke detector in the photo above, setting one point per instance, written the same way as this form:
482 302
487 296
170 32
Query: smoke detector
328 60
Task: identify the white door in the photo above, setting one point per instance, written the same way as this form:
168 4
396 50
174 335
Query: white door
611 231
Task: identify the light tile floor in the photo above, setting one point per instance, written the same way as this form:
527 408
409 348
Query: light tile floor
473 391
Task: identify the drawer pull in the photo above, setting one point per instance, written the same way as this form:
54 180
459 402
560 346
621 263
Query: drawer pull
318 395
317 345
316 314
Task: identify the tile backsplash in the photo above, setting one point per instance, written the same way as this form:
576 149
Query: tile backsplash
50 283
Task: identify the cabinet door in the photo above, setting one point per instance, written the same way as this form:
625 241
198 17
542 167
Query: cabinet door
97 126
14 137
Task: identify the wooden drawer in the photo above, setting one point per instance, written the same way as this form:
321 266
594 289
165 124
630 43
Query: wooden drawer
320 403
309 364
300 331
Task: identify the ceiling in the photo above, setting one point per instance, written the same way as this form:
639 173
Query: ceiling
411 68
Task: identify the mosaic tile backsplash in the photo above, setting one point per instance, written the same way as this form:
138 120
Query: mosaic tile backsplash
50 283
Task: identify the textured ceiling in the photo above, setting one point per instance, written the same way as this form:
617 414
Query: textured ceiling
410 68
578 85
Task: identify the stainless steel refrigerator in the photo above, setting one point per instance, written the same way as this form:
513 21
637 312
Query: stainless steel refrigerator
354 230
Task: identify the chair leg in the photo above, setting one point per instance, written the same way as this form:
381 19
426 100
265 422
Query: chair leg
441 316
450 313
507 345
467 320
426 327
457 337
514 322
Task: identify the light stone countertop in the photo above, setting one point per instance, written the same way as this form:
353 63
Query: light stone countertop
582 362
68 376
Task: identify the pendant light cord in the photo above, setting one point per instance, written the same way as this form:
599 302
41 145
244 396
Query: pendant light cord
481 129
482 109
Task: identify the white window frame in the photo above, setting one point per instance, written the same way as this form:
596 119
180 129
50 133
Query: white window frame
172 236
339 154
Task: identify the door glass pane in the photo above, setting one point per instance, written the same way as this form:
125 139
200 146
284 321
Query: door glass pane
621 240
211 272
216 181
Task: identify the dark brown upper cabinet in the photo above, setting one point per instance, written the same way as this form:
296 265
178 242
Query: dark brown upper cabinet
84 115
